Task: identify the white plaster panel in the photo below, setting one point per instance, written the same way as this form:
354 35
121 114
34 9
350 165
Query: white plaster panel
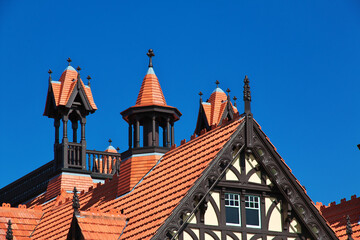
268 202
236 164
255 177
187 236
230 176
196 232
275 219
268 182
250 163
290 238
208 237
295 227
216 197
238 235
269 237
218 234
192 219
210 216
229 238
249 236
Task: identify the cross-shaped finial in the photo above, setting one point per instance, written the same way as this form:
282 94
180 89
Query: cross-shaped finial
217 83
117 149
150 55
234 98
110 141
228 91
200 94
50 72
69 61
78 68
88 78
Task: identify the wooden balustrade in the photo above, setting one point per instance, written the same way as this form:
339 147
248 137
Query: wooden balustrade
103 162
74 155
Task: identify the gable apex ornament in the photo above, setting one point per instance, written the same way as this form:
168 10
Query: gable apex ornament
9 232
349 230
247 95
76 203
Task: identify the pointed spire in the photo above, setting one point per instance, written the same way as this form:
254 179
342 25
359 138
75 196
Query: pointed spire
69 61
200 94
9 232
247 95
88 78
150 55
217 83
76 203
50 72
349 230
235 98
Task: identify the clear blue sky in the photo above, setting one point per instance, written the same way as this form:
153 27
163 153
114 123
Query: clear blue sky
302 58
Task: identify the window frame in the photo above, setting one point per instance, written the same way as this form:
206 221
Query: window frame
258 208
238 207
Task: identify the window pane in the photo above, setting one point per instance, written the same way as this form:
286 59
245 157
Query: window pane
232 215
252 217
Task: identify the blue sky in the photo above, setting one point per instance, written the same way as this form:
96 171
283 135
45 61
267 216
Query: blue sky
302 58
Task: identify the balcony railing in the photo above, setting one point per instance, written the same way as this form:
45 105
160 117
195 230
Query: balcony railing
103 162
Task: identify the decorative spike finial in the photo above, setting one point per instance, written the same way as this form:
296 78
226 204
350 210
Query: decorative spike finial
88 78
9 232
110 141
235 98
217 83
78 76
247 95
349 230
69 61
50 72
150 54
200 94
76 203
117 149
228 92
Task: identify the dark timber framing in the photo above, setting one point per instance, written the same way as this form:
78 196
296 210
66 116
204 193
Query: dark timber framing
248 139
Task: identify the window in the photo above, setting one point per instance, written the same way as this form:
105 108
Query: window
252 208
232 206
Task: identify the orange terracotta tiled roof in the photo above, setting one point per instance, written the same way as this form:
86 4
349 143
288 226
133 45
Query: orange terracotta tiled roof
150 91
153 199
215 106
96 225
336 214
23 220
63 88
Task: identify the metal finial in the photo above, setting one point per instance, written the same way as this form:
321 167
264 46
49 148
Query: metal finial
78 68
69 61
217 83
88 78
200 94
9 232
50 72
110 141
117 149
235 98
76 203
78 76
150 54
349 230
228 92
247 95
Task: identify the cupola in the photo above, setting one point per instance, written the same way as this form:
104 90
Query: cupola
151 120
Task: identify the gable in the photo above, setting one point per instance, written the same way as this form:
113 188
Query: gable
265 175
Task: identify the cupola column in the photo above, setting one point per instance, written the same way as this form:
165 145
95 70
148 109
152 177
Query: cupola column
57 126
65 121
153 131
167 132
172 134
75 126
65 142
130 135
137 133
83 122
83 143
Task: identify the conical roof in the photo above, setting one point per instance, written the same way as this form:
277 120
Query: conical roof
150 91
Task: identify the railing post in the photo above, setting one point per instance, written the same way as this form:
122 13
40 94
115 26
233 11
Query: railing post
83 144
